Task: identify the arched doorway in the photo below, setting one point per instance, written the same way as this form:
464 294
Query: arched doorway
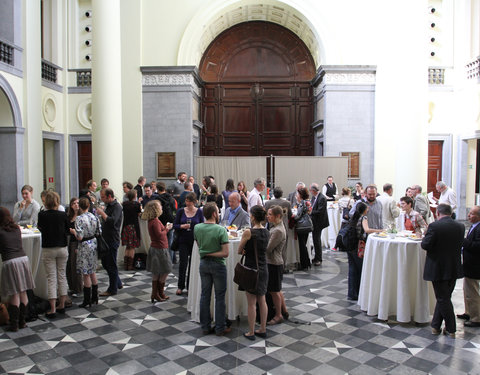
257 98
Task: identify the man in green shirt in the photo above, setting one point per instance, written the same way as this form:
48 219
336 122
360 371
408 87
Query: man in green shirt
212 240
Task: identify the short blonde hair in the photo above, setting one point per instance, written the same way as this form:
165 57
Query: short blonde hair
152 210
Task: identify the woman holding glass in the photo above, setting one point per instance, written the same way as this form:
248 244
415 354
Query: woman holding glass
185 221
253 240
26 211
87 226
55 227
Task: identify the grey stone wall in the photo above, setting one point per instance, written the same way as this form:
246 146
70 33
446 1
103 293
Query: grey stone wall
345 102
11 165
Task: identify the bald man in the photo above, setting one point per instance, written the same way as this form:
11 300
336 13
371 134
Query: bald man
235 214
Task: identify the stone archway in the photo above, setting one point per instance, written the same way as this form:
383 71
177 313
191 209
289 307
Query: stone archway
257 97
11 145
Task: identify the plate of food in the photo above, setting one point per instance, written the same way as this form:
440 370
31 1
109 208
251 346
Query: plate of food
414 237
381 235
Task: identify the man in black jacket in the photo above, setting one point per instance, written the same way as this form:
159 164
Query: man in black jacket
319 220
443 242
471 270
111 221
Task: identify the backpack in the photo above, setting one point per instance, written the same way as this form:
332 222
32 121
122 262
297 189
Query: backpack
347 239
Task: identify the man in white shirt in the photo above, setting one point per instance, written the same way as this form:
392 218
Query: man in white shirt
390 211
254 197
447 196
330 189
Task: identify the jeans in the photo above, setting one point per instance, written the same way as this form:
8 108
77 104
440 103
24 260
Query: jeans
354 274
109 262
213 273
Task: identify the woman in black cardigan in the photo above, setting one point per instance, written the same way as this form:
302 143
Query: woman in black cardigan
54 226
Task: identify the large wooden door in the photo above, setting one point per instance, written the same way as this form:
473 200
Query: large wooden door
435 149
257 96
84 163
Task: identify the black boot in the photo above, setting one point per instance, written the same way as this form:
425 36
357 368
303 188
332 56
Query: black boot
95 294
87 301
13 313
21 316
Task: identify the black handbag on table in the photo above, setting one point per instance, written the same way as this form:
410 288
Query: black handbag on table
246 277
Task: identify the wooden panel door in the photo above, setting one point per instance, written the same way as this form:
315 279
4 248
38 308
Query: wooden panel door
435 150
84 163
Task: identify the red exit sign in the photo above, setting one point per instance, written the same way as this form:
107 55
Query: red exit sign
50 179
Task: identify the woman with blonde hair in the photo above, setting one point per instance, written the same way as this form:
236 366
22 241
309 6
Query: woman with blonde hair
55 227
159 262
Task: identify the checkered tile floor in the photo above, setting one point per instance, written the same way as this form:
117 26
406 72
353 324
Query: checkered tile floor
326 334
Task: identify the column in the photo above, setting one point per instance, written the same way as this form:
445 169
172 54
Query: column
107 147
32 84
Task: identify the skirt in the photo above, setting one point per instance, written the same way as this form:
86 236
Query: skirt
159 261
16 276
129 237
87 257
275 277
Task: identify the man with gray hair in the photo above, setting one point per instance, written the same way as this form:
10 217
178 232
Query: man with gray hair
292 197
447 196
420 204
255 197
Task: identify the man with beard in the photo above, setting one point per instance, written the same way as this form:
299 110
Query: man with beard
374 215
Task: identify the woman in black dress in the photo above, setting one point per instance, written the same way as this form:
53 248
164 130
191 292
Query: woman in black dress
131 228
260 235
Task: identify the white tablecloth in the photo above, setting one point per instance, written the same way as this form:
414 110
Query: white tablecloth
329 234
144 242
32 245
293 250
392 280
235 300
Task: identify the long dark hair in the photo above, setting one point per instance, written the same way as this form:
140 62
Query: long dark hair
6 220
70 211
359 211
230 185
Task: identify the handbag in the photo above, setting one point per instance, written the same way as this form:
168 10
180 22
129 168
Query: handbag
174 245
304 223
361 248
3 314
246 277
102 246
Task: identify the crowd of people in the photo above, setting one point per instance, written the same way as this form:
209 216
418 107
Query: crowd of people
94 225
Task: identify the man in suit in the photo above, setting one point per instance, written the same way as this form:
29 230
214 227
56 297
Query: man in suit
471 270
443 243
319 219
420 203
390 211
235 215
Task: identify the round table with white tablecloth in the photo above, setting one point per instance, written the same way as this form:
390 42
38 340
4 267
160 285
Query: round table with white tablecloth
235 300
329 234
392 280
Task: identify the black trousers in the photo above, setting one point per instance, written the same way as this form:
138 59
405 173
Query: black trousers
317 243
302 245
444 308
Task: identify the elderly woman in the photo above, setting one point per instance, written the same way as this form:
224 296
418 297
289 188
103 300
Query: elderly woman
184 223
413 220
55 228
26 211
276 243
16 273
256 238
131 228
159 262
87 226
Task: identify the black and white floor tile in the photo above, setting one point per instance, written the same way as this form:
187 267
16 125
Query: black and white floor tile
326 334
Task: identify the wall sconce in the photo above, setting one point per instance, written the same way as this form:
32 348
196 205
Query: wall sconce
88 57
432 39
88 28
432 53
432 10
432 25
88 14
88 42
